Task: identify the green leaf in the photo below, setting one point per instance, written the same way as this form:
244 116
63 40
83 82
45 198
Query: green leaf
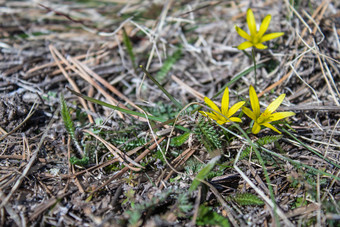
127 111
268 139
246 199
203 173
208 217
116 107
179 140
179 105
207 135
167 65
66 116
128 45
79 161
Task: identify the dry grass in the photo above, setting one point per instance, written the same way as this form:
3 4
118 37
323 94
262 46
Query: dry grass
134 175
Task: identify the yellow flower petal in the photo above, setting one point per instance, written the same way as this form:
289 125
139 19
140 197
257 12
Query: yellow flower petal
254 101
249 113
212 116
256 128
271 127
203 113
242 33
245 45
251 22
275 104
260 46
264 25
235 108
280 115
211 104
271 36
235 119
221 122
225 102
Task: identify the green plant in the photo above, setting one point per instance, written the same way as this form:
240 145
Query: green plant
66 116
167 65
207 217
246 199
203 173
207 135
128 45
261 142
180 140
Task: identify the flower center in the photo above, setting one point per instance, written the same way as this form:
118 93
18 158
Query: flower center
265 117
256 39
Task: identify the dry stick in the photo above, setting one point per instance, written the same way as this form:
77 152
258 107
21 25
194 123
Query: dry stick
330 186
164 12
310 108
11 212
326 79
274 85
322 62
196 206
30 163
116 152
187 154
46 205
98 57
29 115
258 191
52 64
188 88
5 177
54 52
212 188
2 131
86 77
318 212
140 157
83 74
71 167
330 138
105 83
258 178
222 201
25 145
330 74
90 93
129 153
302 90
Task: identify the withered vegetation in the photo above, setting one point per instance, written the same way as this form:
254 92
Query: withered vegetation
76 163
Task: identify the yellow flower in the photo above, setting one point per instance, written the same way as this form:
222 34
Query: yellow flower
224 116
256 38
267 116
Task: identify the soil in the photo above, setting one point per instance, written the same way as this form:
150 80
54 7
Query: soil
112 168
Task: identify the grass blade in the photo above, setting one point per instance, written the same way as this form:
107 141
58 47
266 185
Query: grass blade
203 173
128 45
311 150
169 62
161 87
237 77
131 112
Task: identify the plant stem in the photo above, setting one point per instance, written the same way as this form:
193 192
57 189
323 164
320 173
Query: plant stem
162 88
254 60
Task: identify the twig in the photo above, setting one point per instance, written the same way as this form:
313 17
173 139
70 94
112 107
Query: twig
258 191
30 163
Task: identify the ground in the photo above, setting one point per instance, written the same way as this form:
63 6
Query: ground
151 158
